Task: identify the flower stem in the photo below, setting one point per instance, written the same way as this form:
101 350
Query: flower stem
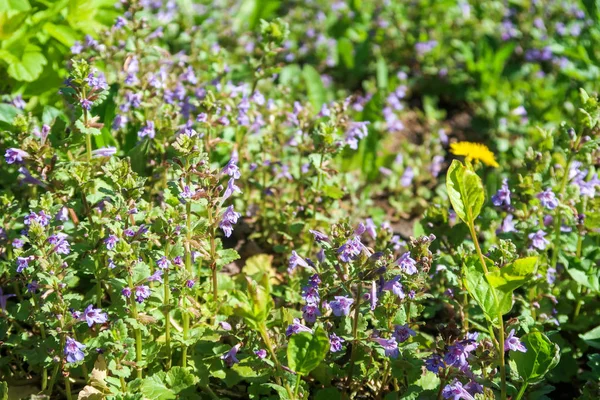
188 268
166 305
297 388
265 336
137 333
354 334
68 388
521 391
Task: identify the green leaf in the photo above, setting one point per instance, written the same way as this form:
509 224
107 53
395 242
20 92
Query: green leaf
14 5
514 275
330 393
62 33
28 65
314 86
179 379
8 112
306 351
382 73
3 390
592 338
542 355
465 191
346 52
226 256
494 303
154 388
333 192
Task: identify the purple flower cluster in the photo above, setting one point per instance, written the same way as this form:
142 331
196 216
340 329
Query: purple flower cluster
310 294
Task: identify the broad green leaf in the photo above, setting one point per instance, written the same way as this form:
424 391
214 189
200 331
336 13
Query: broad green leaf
514 275
314 86
542 355
306 351
226 256
330 393
154 388
8 113
494 303
333 192
592 338
465 191
14 5
29 65
179 378
255 306
281 391
62 33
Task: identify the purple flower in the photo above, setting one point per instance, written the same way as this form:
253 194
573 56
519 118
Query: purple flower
455 391
13 155
407 177
18 102
230 357
551 275
185 194
73 350
104 152
17 243
4 298
513 343
147 130
473 388
370 227
407 264
163 262
23 262
350 250
86 104
111 242
310 312
225 325
356 131
395 287
502 196
61 246
335 343
232 170
32 287
434 363
126 292
296 327
232 188
119 122
156 276
456 356
229 218
93 316
142 292
202 117
190 283
319 236
389 346
62 215
402 333
548 199
310 294
296 261
341 305
261 353
538 241
507 225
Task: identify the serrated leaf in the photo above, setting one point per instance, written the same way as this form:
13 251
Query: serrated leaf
333 192
306 351
592 338
154 388
179 379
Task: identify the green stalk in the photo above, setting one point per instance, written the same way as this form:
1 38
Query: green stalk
188 267
68 388
354 334
265 337
501 330
521 391
166 305
297 388
137 333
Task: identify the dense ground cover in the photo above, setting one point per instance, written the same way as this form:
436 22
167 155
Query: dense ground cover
285 200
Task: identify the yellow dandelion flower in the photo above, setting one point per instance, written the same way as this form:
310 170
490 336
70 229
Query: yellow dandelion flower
474 151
